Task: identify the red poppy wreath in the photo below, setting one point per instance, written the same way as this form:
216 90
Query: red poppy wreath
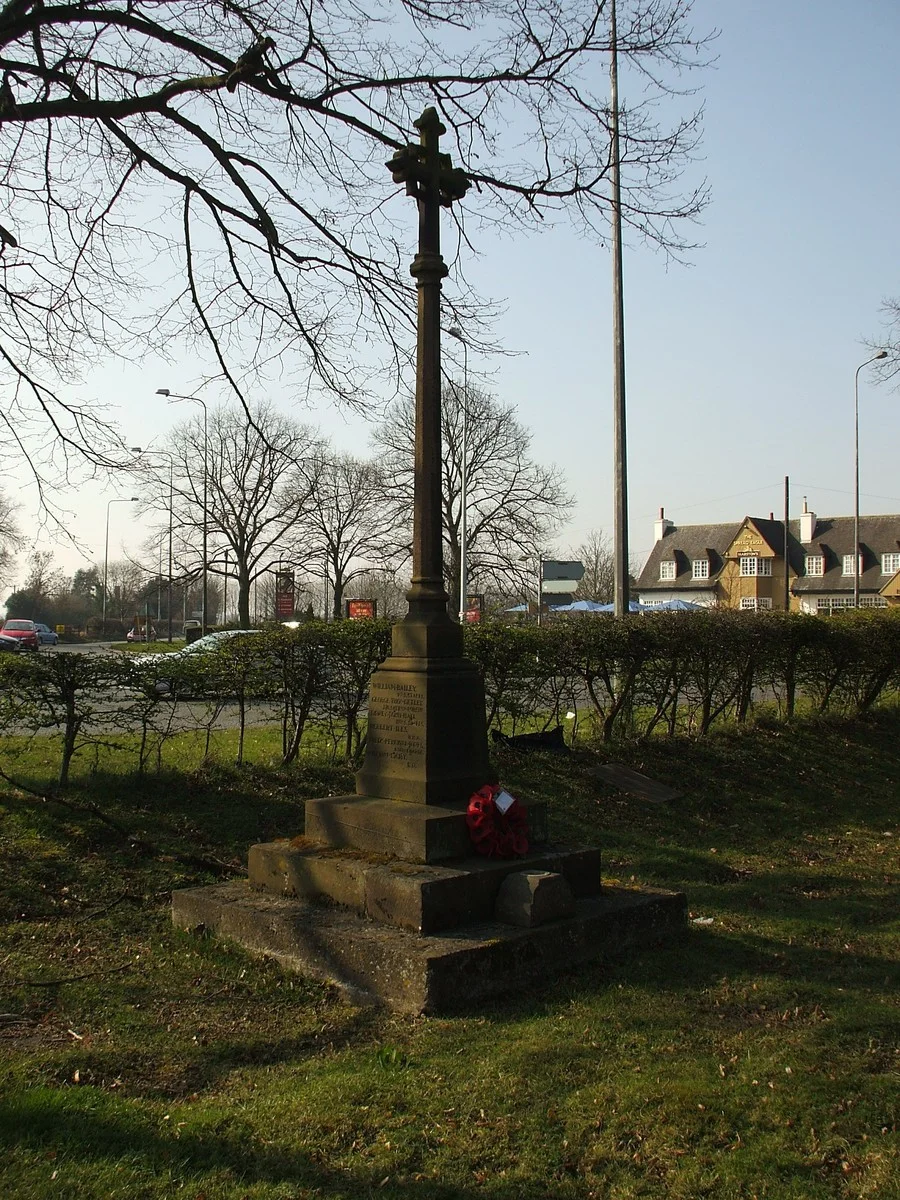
497 823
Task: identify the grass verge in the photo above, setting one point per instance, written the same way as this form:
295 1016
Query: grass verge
755 1057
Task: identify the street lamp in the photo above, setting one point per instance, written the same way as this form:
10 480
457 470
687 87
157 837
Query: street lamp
173 398
454 332
116 500
874 358
540 583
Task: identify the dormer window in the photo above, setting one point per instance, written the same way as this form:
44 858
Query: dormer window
848 565
815 564
667 568
700 568
890 564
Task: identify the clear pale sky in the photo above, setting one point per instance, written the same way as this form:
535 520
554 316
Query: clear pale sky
740 365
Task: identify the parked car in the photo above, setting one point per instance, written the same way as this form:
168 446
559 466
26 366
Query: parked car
24 632
46 635
203 646
140 635
9 645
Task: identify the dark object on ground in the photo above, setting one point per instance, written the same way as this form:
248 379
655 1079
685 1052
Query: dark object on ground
553 740
636 784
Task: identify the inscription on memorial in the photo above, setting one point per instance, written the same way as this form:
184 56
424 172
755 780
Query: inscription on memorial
398 728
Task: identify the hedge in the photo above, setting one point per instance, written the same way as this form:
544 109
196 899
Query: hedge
660 674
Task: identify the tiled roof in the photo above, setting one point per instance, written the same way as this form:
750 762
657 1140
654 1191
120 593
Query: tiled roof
833 538
684 545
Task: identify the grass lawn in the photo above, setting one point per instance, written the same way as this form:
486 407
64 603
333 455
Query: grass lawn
757 1056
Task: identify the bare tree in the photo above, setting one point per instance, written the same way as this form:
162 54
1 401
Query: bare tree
514 506
11 536
889 368
598 581
256 474
347 525
214 172
386 587
124 580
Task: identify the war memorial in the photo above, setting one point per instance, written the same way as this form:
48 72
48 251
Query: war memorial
432 887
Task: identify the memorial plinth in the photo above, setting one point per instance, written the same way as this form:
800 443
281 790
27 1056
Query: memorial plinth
426 741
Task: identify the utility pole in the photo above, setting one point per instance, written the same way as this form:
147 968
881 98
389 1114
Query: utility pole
621 597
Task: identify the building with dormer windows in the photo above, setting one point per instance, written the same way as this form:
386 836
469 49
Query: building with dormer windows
743 565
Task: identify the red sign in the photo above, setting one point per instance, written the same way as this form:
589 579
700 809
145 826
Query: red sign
284 594
361 610
473 616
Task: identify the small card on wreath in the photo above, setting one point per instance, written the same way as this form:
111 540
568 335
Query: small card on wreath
504 801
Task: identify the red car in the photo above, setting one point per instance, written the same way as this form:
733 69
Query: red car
24 632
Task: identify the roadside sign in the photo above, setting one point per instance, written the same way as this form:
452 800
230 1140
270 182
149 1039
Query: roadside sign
284 594
552 570
360 610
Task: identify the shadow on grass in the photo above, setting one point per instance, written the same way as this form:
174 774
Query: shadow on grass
91 1129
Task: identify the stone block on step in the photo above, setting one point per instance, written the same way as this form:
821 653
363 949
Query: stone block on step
530 898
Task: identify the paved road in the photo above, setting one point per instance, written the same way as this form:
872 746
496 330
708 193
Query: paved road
83 647
187 714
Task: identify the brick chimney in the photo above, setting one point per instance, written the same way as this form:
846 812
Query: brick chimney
807 524
661 527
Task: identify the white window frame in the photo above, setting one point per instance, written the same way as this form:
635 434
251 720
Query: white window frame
754 603
700 568
752 565
890 563
815 565
667 569
848 565
830 604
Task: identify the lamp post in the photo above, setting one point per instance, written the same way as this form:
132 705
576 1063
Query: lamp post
173 398
874 358
463 483
115 500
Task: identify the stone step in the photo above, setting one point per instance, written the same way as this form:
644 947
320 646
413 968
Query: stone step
417 833
442 973
422 897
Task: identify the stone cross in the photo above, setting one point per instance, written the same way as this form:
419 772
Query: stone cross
435 183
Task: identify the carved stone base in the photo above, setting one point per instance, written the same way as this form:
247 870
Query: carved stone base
435 974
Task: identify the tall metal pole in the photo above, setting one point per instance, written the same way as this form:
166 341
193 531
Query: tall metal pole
787 576
874 358
540 590
204 595
620 451
171 504
171 396
115 500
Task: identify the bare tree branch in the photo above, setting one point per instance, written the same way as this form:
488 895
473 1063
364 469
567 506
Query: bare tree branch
209 174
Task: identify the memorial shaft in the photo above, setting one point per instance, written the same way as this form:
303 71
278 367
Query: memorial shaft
427 740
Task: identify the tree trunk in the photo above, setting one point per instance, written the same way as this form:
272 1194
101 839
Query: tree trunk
243 596
454 604
337 597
